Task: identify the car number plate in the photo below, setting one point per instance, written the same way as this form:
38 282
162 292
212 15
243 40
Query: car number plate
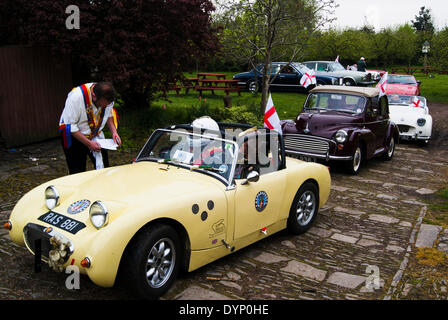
62 222
307 159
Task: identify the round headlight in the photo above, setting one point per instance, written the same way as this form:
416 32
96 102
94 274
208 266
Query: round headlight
51 197
421 122
98 214
341 136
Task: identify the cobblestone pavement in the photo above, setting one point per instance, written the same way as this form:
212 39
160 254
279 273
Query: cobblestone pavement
369 227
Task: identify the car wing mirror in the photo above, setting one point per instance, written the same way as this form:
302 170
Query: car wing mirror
253 176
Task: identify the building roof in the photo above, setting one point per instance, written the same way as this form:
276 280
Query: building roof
364 91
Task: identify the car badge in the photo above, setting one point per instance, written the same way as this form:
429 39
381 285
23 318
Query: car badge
78 206
261 201
48 230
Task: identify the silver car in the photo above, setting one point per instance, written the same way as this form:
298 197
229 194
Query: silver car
351 78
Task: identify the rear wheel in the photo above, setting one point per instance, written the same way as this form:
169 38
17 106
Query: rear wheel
390 150
304 208
152 263
349 82
252 86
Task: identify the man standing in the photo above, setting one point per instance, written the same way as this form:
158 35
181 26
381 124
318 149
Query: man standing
362 64
87 110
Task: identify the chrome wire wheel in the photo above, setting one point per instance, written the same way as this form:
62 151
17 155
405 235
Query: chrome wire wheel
357 157
160 263
306 208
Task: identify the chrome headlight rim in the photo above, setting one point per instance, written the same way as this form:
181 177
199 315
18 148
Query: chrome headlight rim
421 122
98 214
52 197
341 136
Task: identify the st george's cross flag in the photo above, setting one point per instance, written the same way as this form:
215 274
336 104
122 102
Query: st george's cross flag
337 59
271 119
308 78
417 102
382 85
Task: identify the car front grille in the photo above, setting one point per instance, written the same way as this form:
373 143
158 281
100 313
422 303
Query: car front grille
306 144
403 128
33 234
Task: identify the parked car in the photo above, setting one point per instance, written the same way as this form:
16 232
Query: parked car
411 114
334 68
376 74
402 84
288 78
342 123
180 206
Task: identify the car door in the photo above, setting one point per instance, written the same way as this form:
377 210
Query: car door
287 79
376 122
257 203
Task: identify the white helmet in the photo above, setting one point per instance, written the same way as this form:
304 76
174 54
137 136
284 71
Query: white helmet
205 122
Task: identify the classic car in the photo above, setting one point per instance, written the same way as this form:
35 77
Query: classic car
334 68
287 77
411 114
188 199
342 123
402 84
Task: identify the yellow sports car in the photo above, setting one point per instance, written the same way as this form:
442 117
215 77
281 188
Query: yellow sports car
193 195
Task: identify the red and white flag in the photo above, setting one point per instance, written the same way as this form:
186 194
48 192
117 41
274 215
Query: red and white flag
271 119
383 85
308 78
337 59
417 102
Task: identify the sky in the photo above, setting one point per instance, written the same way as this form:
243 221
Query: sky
387 13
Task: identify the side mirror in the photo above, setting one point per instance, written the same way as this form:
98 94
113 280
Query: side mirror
253 176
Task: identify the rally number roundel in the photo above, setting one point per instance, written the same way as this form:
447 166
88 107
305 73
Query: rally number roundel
78 206
261 201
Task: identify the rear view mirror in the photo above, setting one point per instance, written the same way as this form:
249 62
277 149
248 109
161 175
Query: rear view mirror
253 176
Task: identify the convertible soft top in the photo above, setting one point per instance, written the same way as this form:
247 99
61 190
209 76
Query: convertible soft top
364 91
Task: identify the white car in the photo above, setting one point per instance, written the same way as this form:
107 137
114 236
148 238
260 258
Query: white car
411 115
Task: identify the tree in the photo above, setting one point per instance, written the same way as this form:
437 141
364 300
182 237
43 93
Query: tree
140 45
269 30
423 21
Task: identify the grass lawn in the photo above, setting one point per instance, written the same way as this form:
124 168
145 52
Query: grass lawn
434 89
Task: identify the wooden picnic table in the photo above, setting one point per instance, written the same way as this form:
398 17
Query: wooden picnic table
204 75
218 84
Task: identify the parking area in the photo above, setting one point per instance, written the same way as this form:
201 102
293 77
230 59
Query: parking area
359 247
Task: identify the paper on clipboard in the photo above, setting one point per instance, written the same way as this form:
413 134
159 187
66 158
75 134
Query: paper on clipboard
108 144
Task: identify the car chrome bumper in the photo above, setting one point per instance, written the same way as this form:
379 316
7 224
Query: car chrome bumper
326 157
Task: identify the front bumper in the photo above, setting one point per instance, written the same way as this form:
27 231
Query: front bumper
413 133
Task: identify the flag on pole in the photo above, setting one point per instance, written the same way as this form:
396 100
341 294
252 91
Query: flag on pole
271 119
337 59
417 102
383 85
308 78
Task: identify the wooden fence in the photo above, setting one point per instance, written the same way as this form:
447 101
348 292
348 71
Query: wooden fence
33 87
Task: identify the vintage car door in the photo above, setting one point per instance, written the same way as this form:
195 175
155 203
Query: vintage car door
257 203
376 121
288 78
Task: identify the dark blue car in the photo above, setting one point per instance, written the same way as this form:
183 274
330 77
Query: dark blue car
288 78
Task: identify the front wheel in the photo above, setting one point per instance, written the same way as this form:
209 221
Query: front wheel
153 261
355 164
304 208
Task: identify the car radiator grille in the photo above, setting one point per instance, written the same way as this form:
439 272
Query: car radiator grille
33 232
403 128
307 144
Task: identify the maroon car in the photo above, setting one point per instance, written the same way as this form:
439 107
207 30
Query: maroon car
341 123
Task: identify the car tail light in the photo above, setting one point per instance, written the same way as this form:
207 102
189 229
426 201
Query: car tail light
85 263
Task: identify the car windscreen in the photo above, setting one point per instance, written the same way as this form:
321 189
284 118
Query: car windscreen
406 100
399 79
336 66
201 152
336 102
